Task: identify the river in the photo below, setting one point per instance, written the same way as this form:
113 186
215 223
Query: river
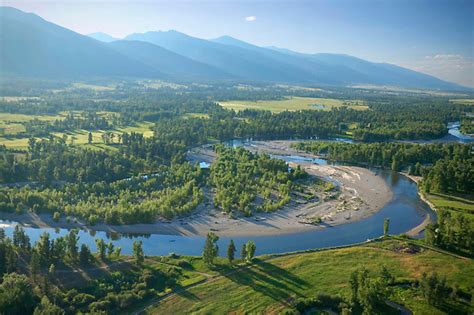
405 211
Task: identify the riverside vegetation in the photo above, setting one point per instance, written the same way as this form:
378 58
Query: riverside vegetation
118 156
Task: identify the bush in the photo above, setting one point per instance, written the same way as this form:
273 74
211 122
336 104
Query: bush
56 216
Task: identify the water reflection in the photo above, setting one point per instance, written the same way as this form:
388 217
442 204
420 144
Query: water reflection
405 211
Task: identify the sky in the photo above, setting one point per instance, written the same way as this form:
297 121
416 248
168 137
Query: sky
430 36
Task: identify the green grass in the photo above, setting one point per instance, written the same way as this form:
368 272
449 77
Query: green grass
269 285
466 101
463 204
11 124
294 104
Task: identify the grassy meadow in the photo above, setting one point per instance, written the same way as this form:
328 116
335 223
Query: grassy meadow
294 104
461 204
466 101
272 282
11 125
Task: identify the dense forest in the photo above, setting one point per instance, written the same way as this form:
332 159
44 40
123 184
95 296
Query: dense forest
249 182
169 191
30 270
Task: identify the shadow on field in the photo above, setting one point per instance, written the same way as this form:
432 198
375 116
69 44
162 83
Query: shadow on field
181 291
270 280
76 276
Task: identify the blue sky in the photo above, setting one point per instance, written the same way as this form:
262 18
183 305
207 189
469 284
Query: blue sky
432 36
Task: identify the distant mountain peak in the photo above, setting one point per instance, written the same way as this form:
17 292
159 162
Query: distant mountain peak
103 37
172 54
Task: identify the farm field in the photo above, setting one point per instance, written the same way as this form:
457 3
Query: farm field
11 125
463 101
268 285
294 104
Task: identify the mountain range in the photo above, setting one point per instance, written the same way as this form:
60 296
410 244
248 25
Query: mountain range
34 47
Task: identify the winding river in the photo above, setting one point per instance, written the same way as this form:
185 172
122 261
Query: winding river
406 211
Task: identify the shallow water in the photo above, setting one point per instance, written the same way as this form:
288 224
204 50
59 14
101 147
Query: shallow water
405 211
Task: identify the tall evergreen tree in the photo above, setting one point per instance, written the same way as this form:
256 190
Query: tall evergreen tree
138 252
250 248
386 226
211 249
231 251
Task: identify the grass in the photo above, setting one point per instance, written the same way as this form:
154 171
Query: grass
268 286
81 137
196 115
463 204
17 98
294 104
466 101
11 124
93 87
152 84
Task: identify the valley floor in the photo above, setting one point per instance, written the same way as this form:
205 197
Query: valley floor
270 284
360 193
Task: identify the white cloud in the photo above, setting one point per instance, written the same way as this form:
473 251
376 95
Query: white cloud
451 67
250 18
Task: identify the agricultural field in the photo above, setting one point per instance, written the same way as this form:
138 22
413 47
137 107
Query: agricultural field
93 87
269 284
294 104
465 101
12 124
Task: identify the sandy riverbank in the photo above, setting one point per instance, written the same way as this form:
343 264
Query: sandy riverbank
361 193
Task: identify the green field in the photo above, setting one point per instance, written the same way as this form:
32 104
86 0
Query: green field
294 104
268 286
11 124
461 204
467 101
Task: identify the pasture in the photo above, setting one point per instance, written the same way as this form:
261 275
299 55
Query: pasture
294 104
269 284
11 125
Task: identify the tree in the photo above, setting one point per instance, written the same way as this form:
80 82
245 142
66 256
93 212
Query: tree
395 164
372 296
138 252
386 276
48 308
117 251
101 247
52 269
211 249
16 295
250 248
434 289
85 255
20 238
243 252
386 226
110 250
89 138
43 246
231 252
71 239
35 263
